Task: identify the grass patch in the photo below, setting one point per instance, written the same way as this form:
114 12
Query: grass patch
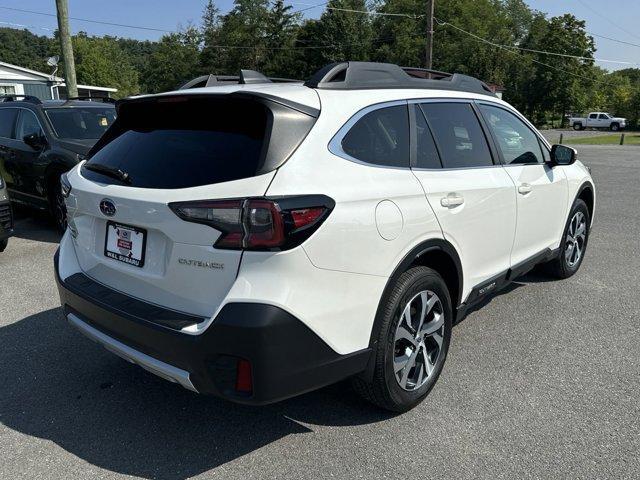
612 139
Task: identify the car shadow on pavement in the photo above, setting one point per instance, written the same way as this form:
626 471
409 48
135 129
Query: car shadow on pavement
34 225
58 385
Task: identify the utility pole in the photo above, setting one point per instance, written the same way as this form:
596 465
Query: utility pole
429 46
62 7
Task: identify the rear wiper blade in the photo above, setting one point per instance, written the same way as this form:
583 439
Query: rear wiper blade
109 172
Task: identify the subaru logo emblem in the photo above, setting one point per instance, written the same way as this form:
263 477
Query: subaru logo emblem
107 208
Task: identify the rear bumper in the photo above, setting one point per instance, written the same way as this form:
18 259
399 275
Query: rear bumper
6 220
286 357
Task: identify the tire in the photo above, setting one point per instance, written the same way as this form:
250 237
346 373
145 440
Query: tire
57 206
393 346
3 244
566 263
577 126
614 127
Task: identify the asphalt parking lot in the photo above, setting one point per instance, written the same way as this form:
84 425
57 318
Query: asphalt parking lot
542 382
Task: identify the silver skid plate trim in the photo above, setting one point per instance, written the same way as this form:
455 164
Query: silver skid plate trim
161 369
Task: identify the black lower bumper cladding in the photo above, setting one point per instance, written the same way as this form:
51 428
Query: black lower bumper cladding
286 357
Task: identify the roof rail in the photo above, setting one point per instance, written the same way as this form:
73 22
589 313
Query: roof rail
372 75
12 97
246 77
92 99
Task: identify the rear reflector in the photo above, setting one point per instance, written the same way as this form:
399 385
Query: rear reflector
259 223
244 382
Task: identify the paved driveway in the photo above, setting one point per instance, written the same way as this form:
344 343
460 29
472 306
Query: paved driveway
542 382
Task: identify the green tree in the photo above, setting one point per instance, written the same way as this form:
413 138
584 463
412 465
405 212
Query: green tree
244 27
25 49
100 61
210 54
175 61
281 33
562 84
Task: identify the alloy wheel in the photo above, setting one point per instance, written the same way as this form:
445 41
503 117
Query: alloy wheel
575 239
418 340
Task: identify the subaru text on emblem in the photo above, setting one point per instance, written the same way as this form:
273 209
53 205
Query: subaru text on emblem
107 208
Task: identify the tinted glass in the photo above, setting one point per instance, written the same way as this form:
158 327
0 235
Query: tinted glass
183 144
603 116
427 154
516 141
7 121
593 115
27 125
545 152
82 123
380 137
458 134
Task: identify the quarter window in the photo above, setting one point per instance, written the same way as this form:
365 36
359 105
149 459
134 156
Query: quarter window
7 121
517 142
380 137
458 135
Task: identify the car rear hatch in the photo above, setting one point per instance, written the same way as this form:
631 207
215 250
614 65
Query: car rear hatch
167 149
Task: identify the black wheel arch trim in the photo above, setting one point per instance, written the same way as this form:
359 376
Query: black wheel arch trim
586 185
431 245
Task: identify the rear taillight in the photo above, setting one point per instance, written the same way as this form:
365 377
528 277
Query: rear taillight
259 223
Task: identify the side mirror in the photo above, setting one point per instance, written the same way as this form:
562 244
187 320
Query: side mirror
34 140
563 155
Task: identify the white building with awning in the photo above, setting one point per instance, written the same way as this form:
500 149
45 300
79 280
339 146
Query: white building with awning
15 80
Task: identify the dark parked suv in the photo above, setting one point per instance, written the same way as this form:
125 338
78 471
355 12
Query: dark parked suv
39 141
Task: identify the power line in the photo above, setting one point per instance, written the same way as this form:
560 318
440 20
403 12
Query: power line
614 39
99 22
510 50
21 25
608 20
543 52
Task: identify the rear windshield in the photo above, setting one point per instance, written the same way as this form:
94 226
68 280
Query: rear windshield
82 123
183 142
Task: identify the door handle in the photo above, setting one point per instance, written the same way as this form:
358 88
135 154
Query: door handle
452 200
524 189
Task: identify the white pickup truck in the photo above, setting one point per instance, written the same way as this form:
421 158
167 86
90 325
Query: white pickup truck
598 120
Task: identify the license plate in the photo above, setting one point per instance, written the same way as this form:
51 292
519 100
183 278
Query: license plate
125 243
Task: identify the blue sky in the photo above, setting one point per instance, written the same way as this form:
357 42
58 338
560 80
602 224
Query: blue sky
617 19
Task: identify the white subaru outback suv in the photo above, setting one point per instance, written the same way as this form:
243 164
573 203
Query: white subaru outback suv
258 240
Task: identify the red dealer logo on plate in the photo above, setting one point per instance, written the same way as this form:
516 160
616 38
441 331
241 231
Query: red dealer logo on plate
124 240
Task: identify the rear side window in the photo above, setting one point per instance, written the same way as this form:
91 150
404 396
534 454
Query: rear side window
380 137
458 135
7 121
182 143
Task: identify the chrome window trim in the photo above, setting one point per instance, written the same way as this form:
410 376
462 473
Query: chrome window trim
335 144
